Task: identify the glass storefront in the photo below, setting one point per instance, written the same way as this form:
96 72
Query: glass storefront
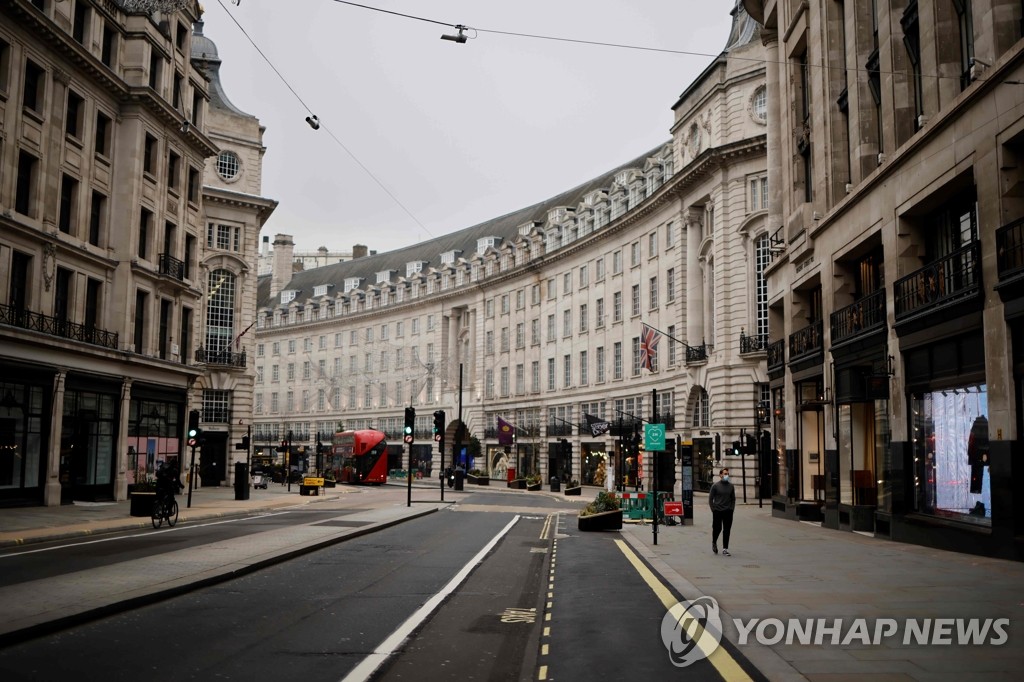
87 457
594 464
154 436
863 440
781 473
951 446
21 439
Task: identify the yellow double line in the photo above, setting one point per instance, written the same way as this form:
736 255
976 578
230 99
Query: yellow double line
724 663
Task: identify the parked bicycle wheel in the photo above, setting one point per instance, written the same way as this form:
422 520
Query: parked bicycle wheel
172 513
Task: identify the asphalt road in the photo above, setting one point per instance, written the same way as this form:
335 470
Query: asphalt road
312 618
45 560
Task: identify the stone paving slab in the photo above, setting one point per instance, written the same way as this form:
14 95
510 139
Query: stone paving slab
785 569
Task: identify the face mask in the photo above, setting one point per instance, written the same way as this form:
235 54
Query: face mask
726 478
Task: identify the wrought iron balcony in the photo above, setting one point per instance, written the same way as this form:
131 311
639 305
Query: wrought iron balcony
863 317
1010 251
224 357
952 278
490 432
806 342
754 343
55 326
776 355
172 267
697 353
559 430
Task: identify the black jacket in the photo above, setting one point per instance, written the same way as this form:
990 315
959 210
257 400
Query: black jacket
722 496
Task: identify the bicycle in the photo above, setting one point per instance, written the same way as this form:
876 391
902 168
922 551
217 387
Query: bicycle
165 507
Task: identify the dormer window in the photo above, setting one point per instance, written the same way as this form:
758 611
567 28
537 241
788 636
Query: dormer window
526 229
288 295
485 243
321 290
352 283
384 276
414 266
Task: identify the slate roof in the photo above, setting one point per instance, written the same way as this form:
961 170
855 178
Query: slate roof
506 227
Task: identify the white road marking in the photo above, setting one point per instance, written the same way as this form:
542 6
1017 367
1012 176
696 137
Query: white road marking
138 535
392 642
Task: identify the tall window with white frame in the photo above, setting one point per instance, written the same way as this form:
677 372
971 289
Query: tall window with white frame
220 312
762 258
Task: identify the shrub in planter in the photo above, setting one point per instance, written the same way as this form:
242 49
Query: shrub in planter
601 514
573 488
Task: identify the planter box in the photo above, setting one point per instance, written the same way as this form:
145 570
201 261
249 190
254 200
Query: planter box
517 483
329 483
573 491
479 480
141 504
611 520
533 487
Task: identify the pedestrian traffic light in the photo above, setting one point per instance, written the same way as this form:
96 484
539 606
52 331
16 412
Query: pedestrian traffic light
751 445
283 447
736 448
439 425
410 423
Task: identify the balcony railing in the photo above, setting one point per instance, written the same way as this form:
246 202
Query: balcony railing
754 343
697 353
864 316
951 278
776 355
806 342
55 326
224 358
172 267
559 430
1010 250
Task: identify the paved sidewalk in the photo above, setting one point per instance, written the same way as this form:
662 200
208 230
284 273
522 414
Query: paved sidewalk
45 605
783 569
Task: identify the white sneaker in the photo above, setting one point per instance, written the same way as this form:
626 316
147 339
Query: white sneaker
725 552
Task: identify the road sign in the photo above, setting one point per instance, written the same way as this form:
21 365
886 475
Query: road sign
654 437
673 508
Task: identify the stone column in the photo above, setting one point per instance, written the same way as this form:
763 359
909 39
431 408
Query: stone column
121 478
51 494
694 278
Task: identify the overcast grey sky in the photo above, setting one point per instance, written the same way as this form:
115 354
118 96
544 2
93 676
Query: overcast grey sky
458 133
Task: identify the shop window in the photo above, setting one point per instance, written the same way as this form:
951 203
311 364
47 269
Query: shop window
951 453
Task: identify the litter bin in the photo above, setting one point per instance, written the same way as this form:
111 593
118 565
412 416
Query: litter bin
556 485
241 481
460 477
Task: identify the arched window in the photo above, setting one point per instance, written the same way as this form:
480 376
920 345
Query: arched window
220 311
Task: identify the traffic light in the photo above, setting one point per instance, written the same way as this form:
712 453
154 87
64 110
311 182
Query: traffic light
751 445
410 423
736 448
319 444
283 447
195 434
244 445
439 425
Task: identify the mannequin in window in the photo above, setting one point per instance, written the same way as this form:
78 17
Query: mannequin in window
977 457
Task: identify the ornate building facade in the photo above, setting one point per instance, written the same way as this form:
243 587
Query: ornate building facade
105 129
895 298
536 317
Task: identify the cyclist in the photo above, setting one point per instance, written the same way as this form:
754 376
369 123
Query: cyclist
167 484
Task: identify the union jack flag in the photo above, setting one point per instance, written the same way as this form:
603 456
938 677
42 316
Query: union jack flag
649 338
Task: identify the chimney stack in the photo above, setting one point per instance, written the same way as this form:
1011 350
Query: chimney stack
281 269
359 251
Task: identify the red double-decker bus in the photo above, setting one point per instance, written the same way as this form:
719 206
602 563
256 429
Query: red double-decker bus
359 457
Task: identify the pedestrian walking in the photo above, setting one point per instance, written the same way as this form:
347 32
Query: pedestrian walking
722 500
